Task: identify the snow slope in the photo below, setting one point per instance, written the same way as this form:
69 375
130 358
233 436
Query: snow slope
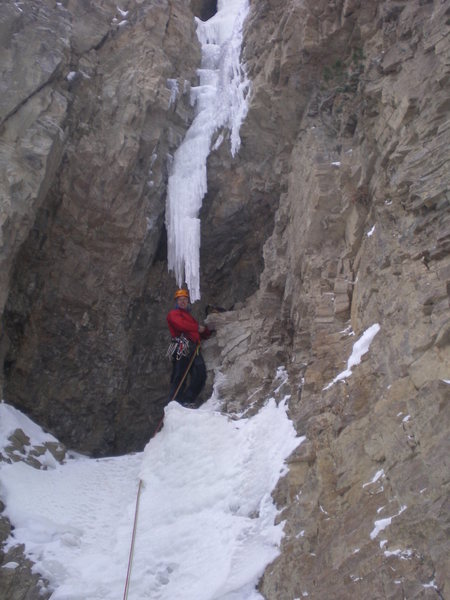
206 518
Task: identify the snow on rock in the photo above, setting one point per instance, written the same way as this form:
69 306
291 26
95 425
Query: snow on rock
221 101
381 524
206 519
359 349
402 554
375 478
12 419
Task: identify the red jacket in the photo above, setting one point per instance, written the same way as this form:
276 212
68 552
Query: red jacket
181 321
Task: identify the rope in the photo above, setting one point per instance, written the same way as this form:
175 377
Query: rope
194 354
141 483
133 539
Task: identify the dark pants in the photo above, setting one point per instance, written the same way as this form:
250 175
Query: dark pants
196 376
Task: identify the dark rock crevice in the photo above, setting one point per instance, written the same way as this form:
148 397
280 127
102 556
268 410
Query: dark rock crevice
204 9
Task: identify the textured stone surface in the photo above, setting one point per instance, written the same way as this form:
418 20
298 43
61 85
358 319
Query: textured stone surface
360 237
76 355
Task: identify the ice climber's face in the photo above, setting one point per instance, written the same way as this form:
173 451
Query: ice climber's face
183 302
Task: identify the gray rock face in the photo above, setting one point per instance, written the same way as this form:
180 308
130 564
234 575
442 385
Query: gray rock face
332 218
83 234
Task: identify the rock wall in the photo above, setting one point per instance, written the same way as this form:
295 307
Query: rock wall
332 218
360 238
89 126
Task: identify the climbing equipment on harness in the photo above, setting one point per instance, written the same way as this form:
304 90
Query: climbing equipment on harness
179 346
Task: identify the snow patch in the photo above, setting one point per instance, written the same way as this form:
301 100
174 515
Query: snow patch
381 524
432 584
10 565
403 554
375 478
359 349
12 419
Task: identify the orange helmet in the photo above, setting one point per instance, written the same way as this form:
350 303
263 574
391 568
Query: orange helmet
181 293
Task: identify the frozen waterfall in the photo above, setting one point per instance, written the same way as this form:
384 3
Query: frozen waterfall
221 101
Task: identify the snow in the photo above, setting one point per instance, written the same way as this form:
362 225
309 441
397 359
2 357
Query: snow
402 554
205 526
371 232
432 584
381 524
221 102
375 478
12 419
360 348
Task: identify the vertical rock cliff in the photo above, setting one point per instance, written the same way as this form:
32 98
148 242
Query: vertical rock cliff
348 126
98 100
333 218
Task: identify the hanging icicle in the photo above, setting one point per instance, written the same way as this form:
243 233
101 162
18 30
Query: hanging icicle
221 101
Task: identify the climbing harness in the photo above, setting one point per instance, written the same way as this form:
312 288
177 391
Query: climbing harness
179 346
141 483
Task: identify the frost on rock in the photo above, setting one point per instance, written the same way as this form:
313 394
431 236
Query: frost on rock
221 102
172 85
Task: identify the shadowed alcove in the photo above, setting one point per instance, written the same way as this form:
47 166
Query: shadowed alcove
204 9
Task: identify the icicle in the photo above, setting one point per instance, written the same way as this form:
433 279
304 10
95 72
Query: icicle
221 101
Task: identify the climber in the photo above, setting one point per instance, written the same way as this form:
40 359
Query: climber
185 352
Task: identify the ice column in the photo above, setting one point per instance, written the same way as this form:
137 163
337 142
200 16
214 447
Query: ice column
220 101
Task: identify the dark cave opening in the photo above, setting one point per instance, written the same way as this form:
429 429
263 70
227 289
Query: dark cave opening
204 9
